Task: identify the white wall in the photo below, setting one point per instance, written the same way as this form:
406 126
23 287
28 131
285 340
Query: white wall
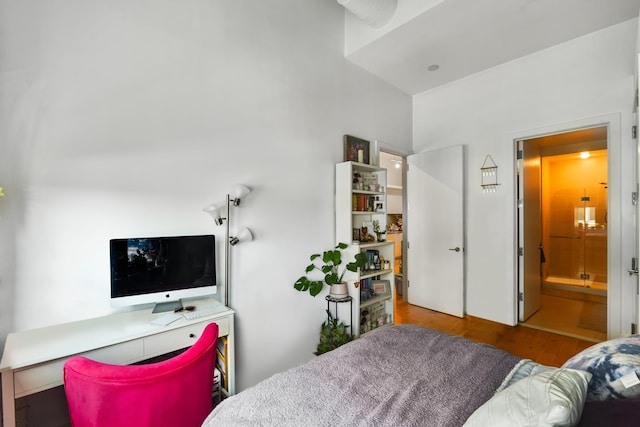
588 77
125 118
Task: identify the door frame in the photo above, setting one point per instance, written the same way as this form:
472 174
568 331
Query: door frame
528 267
620 316
378 146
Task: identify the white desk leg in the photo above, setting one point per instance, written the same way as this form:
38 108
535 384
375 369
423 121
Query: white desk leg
8 400
231 357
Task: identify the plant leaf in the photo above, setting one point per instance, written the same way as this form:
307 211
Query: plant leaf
331 279
315 288
302 284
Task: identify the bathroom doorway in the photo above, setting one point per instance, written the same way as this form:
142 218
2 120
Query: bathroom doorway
571 231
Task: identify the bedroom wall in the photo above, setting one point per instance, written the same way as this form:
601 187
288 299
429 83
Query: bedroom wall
588 77
125 118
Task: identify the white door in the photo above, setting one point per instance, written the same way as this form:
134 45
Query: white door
435 230
633 270
530 230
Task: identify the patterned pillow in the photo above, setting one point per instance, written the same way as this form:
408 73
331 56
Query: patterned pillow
615 365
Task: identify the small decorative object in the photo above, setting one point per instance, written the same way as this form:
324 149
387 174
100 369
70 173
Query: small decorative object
489 171
379 231
381 287
327 266
365 294
356 235
352 147
332 335
364 234
357 181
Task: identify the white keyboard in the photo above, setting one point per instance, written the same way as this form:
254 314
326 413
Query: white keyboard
190 315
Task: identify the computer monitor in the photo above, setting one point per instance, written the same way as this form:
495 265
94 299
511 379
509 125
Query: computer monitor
162 270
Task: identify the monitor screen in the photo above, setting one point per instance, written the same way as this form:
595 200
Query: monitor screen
162 269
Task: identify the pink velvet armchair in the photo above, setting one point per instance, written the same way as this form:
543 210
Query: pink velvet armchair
174 392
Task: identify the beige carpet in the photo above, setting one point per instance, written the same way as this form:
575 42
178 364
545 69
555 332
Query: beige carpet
593 316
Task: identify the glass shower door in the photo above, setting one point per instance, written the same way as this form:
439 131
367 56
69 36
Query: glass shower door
594 231
576 221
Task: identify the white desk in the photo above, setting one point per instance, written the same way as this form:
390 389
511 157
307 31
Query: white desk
33 360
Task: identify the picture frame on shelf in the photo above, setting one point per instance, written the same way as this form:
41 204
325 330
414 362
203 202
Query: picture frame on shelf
381 287
355 235
356 149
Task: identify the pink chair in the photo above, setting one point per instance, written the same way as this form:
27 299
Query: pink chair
174 392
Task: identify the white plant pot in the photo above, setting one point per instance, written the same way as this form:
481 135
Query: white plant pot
339 290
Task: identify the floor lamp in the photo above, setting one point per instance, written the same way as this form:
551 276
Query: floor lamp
216 210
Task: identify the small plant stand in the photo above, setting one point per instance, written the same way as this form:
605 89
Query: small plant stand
331 299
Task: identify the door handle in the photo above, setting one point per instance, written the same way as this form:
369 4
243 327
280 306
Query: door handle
457 249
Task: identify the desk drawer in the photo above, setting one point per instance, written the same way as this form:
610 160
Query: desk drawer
47 375
179 338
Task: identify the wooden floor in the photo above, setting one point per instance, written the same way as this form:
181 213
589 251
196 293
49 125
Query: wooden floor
540 346
576 314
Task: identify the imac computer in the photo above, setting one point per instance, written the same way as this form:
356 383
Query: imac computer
162 270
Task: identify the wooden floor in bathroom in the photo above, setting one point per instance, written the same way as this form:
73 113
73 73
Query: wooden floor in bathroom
577 314
539 345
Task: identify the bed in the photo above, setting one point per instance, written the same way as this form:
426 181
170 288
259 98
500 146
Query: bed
407 375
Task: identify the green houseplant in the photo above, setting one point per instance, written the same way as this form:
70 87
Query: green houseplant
379 231
328 264
332 335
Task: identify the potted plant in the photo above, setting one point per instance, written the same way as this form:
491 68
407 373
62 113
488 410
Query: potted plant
332 335
379 231
329 265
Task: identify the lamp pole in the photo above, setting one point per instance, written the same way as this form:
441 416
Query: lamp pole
227 269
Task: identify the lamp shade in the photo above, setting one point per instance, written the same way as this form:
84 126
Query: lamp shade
243 236
239 191
215 210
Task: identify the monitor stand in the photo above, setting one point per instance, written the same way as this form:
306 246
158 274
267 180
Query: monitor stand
161 307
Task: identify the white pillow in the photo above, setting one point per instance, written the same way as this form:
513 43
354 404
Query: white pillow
551 398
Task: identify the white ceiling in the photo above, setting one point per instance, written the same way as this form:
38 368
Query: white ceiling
465 37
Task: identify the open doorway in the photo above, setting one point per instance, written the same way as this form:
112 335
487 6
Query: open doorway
563 226
396 165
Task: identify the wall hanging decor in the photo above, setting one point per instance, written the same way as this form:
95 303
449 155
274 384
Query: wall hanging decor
489 172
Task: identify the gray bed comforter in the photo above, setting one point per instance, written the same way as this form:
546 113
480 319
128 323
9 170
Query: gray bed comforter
400 375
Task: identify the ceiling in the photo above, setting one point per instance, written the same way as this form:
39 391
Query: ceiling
570 143
464 37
